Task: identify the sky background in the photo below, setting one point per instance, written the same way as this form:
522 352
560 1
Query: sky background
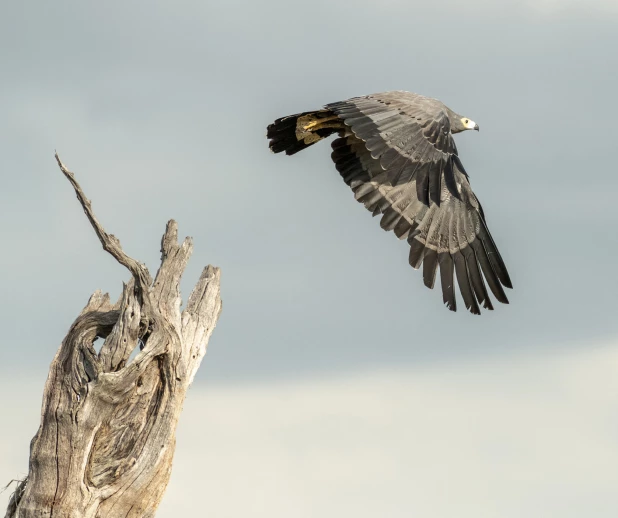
335 381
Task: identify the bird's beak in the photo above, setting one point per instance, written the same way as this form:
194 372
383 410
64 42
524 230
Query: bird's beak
476 127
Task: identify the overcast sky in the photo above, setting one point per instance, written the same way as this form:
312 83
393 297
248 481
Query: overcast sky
160 109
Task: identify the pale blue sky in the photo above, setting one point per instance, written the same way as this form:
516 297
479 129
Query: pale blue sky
161 109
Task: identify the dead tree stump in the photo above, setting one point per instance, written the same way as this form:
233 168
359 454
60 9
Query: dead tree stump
107 435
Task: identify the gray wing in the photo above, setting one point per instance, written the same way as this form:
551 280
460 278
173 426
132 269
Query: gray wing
407 133
383 159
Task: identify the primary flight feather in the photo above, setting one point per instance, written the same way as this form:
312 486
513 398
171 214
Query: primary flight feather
397 153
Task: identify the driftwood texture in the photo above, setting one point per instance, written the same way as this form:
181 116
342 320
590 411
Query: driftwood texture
107 434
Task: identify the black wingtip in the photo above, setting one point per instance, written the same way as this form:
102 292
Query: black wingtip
447 280
487 267
430 266
494 256
463 279
417 251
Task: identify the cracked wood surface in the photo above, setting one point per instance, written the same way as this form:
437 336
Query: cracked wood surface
107 435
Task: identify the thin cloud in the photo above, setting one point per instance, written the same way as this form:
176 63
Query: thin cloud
518 436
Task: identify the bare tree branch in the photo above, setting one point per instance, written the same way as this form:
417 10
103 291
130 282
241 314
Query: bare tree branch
106 440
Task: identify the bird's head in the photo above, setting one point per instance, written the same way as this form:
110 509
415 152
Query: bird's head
464 123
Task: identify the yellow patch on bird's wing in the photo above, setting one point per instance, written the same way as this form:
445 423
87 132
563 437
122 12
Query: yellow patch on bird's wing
318 122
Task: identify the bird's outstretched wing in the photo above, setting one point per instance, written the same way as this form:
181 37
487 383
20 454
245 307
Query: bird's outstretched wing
398 156
409 134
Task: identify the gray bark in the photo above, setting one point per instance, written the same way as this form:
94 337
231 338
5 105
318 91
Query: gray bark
107 435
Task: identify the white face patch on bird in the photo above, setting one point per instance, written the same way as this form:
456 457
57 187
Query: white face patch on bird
469 124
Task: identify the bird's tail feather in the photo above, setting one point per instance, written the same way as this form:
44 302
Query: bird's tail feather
297 132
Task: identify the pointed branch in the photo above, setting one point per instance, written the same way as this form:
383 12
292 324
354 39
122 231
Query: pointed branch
110 243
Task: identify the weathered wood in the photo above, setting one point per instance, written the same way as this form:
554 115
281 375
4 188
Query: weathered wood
107 435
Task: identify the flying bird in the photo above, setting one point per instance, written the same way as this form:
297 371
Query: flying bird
397 153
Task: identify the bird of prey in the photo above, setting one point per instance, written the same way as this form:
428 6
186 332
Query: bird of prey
397 153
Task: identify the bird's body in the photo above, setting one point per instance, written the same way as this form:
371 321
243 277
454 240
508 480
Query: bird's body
397 153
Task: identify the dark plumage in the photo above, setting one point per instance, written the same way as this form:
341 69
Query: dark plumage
396 151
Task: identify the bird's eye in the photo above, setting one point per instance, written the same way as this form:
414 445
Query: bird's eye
466 121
